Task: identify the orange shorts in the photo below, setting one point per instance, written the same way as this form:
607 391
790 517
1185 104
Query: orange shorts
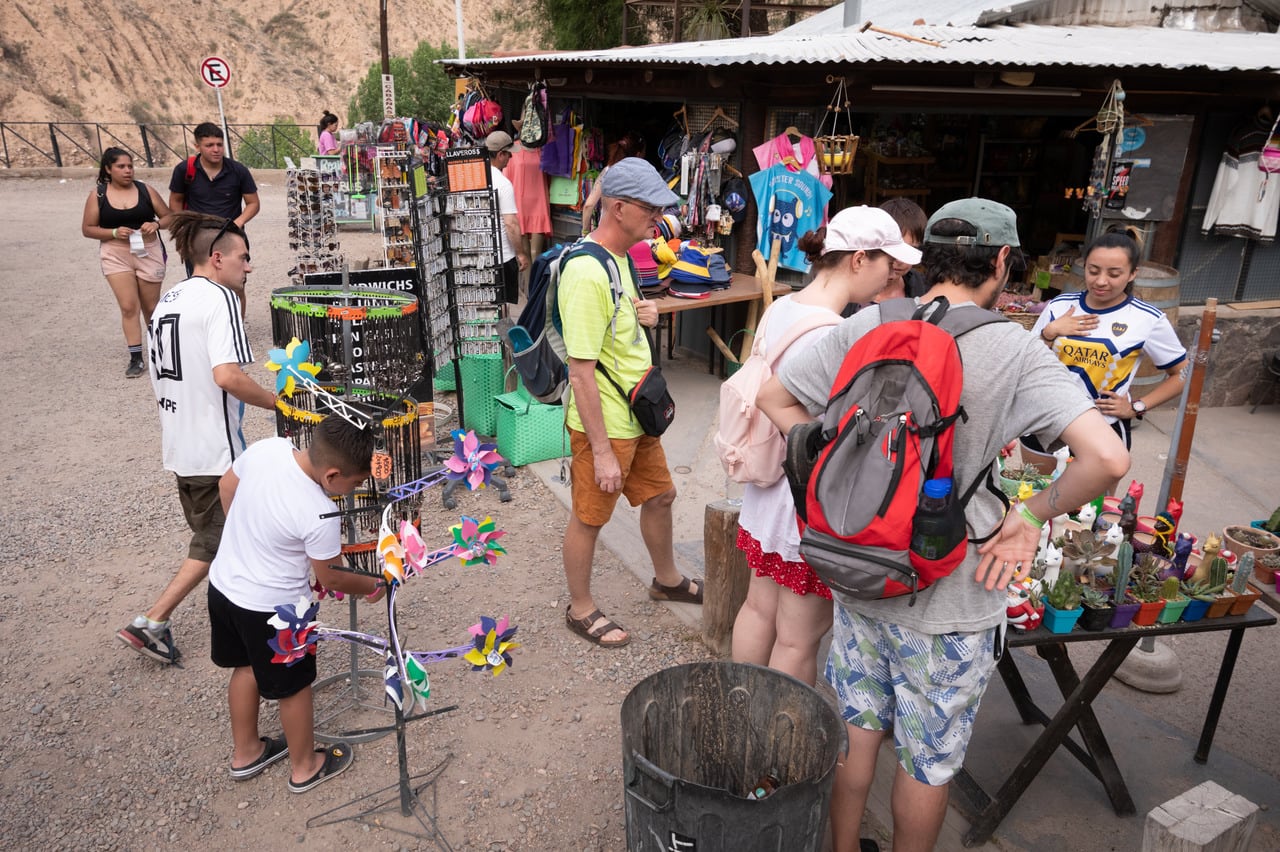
115 257
644 476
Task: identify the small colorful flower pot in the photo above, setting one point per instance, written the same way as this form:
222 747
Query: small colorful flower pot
1196 610
1061 620
1096 618
1173 610
1240 603
1147 613
1220 606
1123 614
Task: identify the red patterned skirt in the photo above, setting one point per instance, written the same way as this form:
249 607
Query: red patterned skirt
796 576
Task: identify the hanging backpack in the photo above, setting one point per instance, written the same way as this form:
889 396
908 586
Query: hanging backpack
750 447
540 361
534 122
858 473
482 118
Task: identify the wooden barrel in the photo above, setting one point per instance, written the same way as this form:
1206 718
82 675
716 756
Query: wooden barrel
1159 286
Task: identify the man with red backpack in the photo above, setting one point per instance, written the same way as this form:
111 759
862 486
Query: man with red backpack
918 662
210 182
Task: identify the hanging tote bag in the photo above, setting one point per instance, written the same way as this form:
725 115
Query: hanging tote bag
557 155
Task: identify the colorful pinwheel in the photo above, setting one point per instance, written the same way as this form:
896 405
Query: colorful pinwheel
415 549
492 645
391 552
472 461
392 683
290 365
476 542
419 683
293 639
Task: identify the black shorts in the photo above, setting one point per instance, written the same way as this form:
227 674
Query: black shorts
511 281
239 638
202 507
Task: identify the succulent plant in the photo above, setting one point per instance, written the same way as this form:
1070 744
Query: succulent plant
1094 597
1199 591
1244 570
1147 585
1270 561
1124 565
1022 473
1169 589
1065 592
1273 523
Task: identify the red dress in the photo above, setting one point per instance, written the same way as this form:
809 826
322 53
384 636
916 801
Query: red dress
796 576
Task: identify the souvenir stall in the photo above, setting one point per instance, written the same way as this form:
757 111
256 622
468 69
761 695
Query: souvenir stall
354 168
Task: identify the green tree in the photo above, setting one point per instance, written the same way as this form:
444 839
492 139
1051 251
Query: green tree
584 24
266 147
423 89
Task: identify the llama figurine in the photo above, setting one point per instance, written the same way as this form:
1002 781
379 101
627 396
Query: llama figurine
1087 515
1114 535
1052 558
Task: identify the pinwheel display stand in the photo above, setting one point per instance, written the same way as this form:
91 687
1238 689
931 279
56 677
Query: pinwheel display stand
384 541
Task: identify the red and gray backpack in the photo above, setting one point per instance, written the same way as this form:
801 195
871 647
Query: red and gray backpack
857 473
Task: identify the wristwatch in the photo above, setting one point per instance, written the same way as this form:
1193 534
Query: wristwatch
1139 408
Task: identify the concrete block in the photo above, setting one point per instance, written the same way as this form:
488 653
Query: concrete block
1206 818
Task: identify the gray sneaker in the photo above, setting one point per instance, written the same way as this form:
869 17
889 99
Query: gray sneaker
156 645
136 368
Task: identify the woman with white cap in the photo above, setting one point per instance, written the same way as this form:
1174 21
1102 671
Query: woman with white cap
788 609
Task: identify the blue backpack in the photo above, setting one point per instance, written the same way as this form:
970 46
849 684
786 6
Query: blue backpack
536 340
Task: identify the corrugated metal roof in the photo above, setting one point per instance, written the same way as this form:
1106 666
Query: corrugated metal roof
896 14
1024 45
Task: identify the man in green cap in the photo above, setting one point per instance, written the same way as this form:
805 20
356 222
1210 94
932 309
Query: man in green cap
919 665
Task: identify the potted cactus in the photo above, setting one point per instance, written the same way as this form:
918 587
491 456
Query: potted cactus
1245 593
1125 603
1062 604
1217 581
1147 587
1012 476
1199 596
1244 539
1267 568
1097 608
1175 603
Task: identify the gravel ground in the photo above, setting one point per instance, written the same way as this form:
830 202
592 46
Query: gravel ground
109 750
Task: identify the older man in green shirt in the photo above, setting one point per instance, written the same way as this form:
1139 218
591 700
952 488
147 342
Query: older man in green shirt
611 454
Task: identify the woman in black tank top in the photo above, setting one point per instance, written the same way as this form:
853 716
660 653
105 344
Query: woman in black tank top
118 212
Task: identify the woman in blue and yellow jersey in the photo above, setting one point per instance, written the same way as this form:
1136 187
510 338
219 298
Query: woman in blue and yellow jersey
1102 333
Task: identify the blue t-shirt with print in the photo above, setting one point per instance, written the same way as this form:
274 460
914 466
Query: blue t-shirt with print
789 205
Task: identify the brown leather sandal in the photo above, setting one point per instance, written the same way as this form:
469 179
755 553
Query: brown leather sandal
679 593
582 626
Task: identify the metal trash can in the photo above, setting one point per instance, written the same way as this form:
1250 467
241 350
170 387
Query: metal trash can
697 739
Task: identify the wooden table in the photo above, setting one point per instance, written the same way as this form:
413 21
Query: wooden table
985 812
742 288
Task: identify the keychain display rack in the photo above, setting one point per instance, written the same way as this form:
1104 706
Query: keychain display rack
394 206
365 337
313 230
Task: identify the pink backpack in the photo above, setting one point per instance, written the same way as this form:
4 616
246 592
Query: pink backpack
750 447
481 118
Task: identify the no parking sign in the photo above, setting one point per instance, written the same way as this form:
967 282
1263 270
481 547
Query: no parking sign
215 72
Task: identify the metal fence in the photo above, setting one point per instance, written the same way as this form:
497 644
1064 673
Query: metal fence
81 143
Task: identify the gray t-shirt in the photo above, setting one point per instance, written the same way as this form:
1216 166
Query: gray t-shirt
1013 386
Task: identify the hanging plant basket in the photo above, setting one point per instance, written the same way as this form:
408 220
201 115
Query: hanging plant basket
836 148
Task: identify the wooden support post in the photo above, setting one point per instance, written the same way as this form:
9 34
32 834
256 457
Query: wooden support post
727 575
1206 818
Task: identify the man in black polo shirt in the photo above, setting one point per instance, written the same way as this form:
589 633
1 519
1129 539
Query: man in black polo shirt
218 184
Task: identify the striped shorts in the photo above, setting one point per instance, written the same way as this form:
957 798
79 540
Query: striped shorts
926 687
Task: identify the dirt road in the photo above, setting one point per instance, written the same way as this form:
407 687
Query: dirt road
108 750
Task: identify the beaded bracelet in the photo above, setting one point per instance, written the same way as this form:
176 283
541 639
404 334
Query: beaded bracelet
1029 517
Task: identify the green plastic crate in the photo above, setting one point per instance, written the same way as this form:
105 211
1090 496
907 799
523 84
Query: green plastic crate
444 380
530 431
481 383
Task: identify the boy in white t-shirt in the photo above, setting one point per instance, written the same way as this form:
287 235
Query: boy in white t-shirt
274 538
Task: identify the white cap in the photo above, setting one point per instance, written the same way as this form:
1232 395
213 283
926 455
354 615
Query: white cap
865 229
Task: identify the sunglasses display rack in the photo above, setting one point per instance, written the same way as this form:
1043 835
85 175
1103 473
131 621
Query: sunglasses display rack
433 272
394 206
313 230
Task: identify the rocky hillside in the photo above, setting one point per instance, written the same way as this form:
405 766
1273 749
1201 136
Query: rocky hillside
138 60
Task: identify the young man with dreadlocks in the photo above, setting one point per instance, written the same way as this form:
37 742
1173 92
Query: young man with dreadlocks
198 348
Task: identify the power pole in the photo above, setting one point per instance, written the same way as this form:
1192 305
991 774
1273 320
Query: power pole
382 33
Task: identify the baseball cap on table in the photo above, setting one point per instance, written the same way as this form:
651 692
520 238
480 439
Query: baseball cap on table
634 178
669 227
498 140
997 225
865 229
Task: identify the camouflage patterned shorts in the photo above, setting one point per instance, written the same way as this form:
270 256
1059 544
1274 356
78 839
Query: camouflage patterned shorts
925 687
